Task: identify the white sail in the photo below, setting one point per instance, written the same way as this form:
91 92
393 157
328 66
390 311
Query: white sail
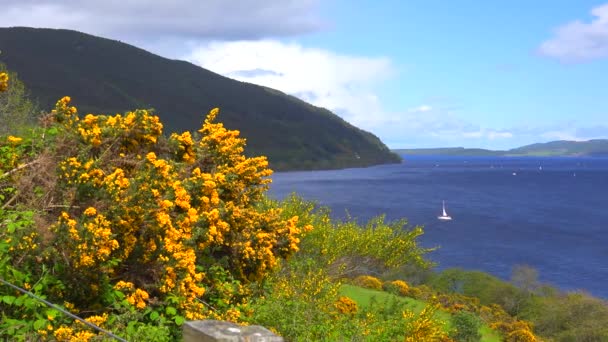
445 216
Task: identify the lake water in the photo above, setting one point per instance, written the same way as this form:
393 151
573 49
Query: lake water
549 213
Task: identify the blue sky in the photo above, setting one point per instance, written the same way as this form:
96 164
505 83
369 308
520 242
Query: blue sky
481 60
492 74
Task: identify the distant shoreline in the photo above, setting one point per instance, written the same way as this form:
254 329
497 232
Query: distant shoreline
559 148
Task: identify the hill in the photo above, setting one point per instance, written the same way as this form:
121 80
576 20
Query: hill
448 151
107 76
596 147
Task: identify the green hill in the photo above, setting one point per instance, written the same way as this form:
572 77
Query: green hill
596 147
107 76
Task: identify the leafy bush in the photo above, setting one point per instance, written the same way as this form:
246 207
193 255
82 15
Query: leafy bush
301 300
466 327
17 111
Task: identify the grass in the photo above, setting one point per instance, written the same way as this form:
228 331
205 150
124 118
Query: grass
364 296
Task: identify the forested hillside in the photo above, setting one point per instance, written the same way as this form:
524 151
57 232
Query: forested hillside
107 76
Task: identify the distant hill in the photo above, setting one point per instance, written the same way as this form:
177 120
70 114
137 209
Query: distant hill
450 151
596 147
107 76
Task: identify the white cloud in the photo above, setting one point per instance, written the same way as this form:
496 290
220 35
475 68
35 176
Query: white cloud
489 134
421 109
149 19
341 83
560 131
499 134
578 41
561 135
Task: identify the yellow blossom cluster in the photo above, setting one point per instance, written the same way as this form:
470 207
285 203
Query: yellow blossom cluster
138 298
98 320
175 207
14 140
368 281
64 113
400 285
92 238
346 305
186 146
424 327
68 334
3 81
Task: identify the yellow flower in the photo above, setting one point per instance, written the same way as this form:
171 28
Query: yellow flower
14 140
90 211
123 285
98 320
63 333
138 299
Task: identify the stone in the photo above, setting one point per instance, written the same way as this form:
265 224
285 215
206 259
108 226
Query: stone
216 331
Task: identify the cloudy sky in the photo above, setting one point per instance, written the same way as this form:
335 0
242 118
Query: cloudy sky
418 73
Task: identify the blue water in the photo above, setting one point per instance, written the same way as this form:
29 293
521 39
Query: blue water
551 215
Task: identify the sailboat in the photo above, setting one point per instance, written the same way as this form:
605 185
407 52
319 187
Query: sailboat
445 216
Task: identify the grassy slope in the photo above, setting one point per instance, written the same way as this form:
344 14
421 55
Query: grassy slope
363 297
107 76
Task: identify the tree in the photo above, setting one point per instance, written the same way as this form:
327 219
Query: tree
526 278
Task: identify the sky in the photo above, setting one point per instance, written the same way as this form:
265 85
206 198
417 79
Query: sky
419 73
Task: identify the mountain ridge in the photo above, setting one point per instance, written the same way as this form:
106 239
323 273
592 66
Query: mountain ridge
107 76
593 147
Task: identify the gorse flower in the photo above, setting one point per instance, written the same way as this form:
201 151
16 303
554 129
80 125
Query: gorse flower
13 140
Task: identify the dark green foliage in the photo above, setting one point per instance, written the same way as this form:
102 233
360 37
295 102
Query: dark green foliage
106 76
466 327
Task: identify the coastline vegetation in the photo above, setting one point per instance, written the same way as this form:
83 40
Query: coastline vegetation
137 232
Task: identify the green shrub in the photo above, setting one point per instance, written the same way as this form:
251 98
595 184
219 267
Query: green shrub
465 327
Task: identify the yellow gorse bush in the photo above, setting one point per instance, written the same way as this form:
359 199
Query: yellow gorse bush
147 216
423 327
345 305
368 281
